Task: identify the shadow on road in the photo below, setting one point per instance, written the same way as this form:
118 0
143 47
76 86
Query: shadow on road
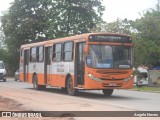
87 94
120 95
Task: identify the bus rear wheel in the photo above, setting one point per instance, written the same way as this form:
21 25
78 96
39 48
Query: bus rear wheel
107 92
70 87
35 84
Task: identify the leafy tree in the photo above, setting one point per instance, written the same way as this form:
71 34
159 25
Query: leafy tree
148 38
118 26
70 17
22 24
1 39
30 21
145 33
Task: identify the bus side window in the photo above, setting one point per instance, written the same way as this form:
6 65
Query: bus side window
22 55
68 51
40 53
33 54
57 52
54 55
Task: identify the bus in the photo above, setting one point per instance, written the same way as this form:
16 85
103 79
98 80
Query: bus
91 61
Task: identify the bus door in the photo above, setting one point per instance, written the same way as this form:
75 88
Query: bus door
79 63
47 65
25 65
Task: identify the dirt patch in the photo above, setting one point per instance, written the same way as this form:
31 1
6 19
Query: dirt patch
7 104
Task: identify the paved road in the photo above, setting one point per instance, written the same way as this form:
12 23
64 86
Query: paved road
132 100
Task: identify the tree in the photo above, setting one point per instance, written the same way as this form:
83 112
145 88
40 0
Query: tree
145 33
29 21
71 17
118 26
22 24
148 38
1 39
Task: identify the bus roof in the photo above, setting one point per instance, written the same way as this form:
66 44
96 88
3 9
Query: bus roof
81 36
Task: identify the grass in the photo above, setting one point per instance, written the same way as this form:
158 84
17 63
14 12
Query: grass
147 89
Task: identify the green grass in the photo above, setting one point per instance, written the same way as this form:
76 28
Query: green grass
147 89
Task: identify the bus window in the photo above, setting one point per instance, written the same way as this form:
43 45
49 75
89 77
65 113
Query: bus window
122 57
33 54
22 55
68 51
100 56
40 54
57 52
104 56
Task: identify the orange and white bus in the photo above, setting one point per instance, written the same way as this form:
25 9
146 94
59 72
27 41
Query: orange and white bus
93 61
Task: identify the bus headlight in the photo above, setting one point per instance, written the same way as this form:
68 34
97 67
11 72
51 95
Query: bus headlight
94 78
129 78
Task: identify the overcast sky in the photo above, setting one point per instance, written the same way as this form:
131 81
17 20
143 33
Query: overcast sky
129 9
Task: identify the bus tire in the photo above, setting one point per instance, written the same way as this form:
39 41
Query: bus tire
107 92
70 87
35 84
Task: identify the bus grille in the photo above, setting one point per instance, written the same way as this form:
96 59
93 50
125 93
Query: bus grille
112 72
112 79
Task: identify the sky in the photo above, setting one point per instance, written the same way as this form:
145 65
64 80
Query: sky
122 9
129 9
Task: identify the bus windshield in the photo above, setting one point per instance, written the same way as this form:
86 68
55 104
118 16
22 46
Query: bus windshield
104 56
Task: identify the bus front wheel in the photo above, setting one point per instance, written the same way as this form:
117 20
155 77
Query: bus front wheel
70 87
107 92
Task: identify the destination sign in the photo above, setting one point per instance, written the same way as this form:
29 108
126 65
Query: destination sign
110 38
